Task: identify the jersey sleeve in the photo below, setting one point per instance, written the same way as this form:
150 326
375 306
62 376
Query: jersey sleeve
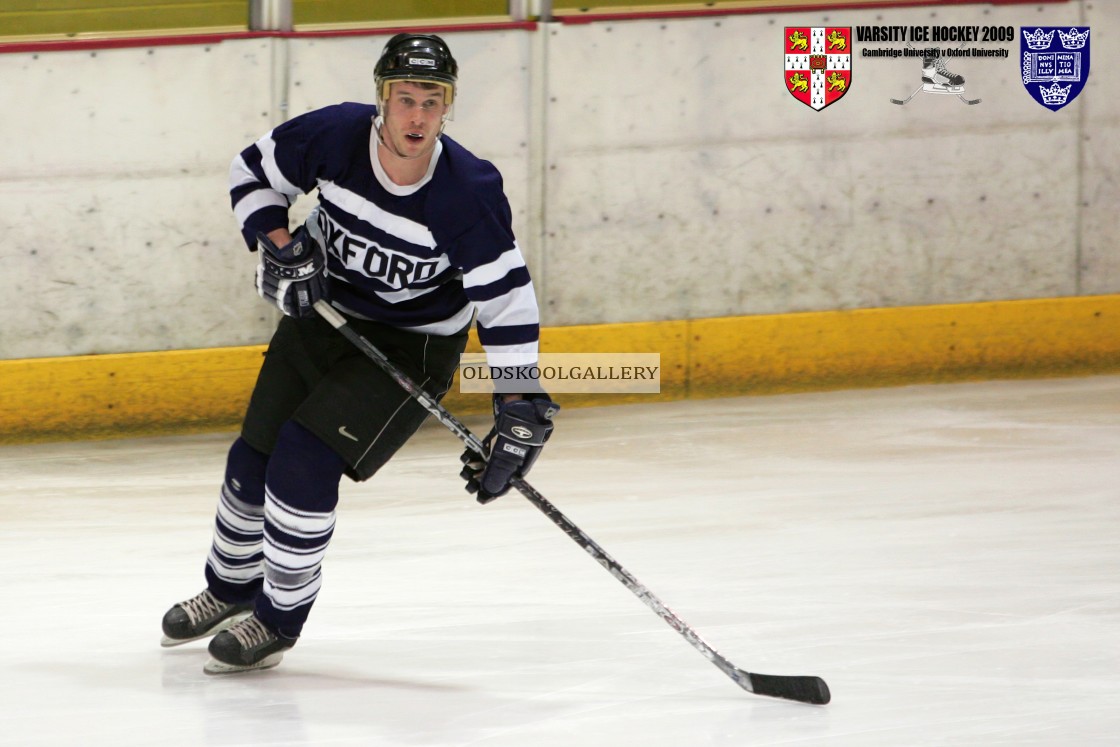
267 177
497 281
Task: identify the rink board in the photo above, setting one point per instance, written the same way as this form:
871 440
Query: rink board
192 390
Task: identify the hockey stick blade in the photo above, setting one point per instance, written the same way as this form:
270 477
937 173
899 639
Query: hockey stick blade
902 102
802 689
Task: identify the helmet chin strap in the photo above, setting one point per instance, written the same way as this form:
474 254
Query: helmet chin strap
378 122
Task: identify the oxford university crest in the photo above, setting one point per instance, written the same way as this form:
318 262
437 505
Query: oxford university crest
1055 63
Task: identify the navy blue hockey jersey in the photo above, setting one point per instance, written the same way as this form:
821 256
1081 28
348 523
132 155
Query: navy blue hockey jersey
424 257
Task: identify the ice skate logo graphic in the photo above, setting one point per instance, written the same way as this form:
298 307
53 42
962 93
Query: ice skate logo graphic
818 64
1055 70
937 78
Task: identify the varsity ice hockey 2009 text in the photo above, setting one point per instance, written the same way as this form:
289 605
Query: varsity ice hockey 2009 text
935 34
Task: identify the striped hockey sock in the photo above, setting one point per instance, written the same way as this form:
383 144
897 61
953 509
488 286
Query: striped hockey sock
299 514
234 567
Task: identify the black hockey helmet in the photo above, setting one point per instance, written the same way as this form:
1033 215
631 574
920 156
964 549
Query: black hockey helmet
422 57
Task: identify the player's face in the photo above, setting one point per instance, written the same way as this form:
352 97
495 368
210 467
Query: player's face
413 115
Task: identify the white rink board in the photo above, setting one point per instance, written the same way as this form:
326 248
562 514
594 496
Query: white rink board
1100 248
678 178
716 194
114 199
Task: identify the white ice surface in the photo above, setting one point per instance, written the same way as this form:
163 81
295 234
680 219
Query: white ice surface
946 557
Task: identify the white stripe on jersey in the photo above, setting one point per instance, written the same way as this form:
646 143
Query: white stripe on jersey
443 328
359 207
510 309
449 326
276 179
524 354
404 294
393 296
240 173
254 201
496 270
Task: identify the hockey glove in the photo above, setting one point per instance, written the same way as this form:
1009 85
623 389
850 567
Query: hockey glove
521 428
292 276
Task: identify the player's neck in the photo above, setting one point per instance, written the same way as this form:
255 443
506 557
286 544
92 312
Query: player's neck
402 171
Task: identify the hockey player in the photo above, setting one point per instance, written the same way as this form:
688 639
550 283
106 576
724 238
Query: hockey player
410 239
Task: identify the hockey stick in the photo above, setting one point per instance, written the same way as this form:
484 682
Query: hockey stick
900 102
800 688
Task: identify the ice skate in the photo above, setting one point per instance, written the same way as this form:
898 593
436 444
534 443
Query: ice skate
936 78
246 646
199 617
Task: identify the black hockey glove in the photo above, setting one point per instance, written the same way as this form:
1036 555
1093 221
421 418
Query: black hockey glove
292 276
521 428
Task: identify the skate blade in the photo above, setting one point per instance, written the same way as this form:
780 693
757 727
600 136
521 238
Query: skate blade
166 642
220 667
950 90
